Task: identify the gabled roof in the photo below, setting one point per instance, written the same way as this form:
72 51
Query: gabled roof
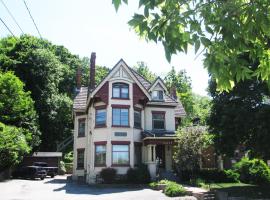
158 81
79 103
81 100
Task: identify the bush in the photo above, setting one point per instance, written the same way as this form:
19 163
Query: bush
253 171
198 182
232 175
108 175
173 190
62 169
138 175
208 175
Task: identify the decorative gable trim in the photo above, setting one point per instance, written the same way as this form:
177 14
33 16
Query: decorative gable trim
121 63
156 82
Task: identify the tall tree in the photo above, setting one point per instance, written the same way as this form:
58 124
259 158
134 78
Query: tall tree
144 71
17 108
226 29
240 117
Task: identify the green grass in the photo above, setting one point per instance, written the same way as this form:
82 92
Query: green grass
242 190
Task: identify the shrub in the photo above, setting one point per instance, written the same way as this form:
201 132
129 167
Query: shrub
138 175
232 175
253 171
62 169
108 175
173 190
198 182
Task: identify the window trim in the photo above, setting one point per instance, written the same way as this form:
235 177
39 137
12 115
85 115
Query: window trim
120 94
161 113
104 143
79 121
80 150
117 106
158 99
120 143
103 107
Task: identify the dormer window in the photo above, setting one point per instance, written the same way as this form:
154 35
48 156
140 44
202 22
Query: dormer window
120 90
157 95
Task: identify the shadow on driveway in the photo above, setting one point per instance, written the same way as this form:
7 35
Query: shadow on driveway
75 188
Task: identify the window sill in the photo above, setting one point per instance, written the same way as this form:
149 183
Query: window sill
81 136
104 165
100 126
79 168
140 128
119 126
120 165
118 98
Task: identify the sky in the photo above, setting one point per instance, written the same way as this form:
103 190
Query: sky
85 26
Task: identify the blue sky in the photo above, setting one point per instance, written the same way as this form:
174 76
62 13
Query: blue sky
84 26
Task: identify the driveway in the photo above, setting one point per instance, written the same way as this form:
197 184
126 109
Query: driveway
59 189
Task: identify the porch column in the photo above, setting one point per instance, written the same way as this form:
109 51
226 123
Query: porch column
151 160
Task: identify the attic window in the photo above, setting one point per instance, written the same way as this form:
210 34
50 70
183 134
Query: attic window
120 90
157 95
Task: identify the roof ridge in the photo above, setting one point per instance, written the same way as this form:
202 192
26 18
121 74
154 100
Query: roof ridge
133 70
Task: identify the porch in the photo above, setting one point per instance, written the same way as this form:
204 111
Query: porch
158 152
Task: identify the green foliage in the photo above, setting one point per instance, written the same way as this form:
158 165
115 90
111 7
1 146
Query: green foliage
68 158
233 175
62 169
13 146
225 29
173 189
108 175
190 142
239 117
138 175
144 71
17 107
253 171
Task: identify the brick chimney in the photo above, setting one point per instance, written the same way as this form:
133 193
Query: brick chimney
78 78
173 93
92 81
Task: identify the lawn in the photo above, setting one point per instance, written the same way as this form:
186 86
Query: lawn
242 190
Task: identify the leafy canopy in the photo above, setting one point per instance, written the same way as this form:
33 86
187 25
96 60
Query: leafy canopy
17 107
225 29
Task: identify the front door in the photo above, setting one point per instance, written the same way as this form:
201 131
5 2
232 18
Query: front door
160 156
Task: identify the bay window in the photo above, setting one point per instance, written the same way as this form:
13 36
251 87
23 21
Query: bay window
120 90
120 116
100 117
120 154
81 127
100 154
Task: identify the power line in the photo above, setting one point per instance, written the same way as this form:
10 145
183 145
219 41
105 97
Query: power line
7 27
12 16
32 18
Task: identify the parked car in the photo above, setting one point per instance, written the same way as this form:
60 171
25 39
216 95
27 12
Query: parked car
51 171
31 172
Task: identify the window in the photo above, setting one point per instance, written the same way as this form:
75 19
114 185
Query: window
120 90
120 117
157 95
100 117
158 120
80 158
100 155
137 154
120 154
81 130
137 119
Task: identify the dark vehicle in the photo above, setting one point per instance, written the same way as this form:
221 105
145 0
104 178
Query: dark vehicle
31 172
51 171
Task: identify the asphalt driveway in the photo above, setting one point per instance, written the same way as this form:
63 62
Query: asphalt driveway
60 189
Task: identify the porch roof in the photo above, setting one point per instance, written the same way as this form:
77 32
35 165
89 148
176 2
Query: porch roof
158 133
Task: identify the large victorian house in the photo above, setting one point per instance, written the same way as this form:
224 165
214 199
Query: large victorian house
122 122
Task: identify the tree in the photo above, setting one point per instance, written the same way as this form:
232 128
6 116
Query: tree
240 118
13 145
226 29
182 83
190 142
17 108
144 71
49 75
201 109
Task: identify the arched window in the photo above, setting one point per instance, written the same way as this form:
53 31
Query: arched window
120 90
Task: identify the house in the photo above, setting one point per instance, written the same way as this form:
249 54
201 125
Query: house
122 122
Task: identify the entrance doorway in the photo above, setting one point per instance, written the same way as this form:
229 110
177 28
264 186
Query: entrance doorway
160 156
